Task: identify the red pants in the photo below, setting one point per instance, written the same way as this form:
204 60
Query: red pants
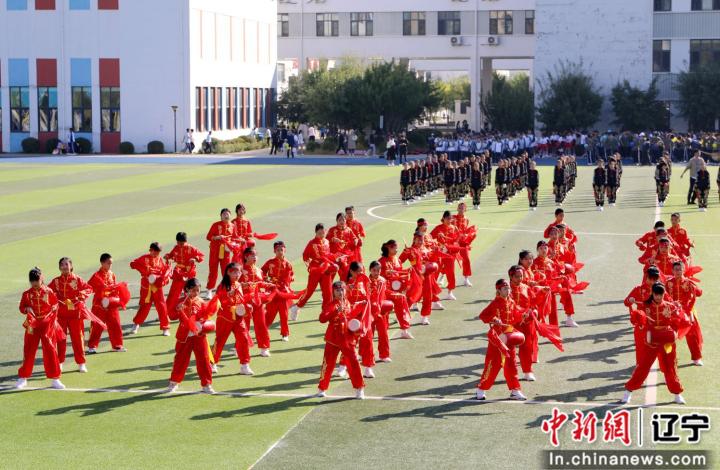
238 328
380 325
552 315
330 358
428 294
466 265
494 361
402 311
448 269
216 264
111 317
527 350
695 340
325 280
197 345
262 335
366 349
567 302
75 329
148 297
668 366
49 353
275 306
173 296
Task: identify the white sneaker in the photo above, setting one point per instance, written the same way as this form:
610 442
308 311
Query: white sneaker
438 306
209 294
360 393
135 329
530 377
626 397
407 203
91 351
450 296
480 395
20 384
467 281
57 385
517 395
441 279
698 362
82 368
294 312
570 322
321 394
120 349
679 399
341 372
166 332
61 366
384 359
369 373
172 387
265 352
534 209
246 370
405 334
214 369
208 389
414 307
285 339
613 204
425 321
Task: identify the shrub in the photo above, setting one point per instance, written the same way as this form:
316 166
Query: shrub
83 145
51 145
329 144
312 146
31 145
155 146
238 144
126 148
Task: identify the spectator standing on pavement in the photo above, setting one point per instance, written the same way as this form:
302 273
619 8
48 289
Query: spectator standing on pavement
693 165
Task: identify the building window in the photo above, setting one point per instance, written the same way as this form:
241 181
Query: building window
448 23
704 52
661 56
705 5
19 109
47 109
327 24
529 21
110 109
281 77
501 22
283 25
414 23
82 109
361 24
198 109
229 109
662 5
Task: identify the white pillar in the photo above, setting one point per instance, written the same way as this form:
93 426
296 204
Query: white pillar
475 115
486 76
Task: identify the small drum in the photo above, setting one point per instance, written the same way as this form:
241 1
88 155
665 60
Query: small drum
397 285
105 302
152 278
208 326
240 310
430 268
354 325
113 302
663 336
513 338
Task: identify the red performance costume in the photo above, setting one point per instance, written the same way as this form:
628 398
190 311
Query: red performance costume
685 292
192 340
448 236
110 296
231 319
357 228
424 274
398 278
321 270
279 272
185 257
256 296
154 272
467 235
338 338
222 238
380 307
40 306
682 240
71 292
358 292
344 246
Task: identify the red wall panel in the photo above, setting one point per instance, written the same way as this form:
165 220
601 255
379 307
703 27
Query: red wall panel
46 72
109 72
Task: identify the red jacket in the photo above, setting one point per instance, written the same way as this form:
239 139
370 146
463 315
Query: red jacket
682 239
230 301
103 284
317 252
225 246
189 311
684 291
337 314
70 290
279 272
185 257
342 241
148 264
504 309
42 301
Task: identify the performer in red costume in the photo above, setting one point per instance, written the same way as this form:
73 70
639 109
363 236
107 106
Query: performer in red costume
357 227
467 235
191 337
448 236
398 279
680 236
339 338
39 304
503 317
154 272
663 259
243 232
662 322
423 277
634 301
685 292
257 295
110 296
231 318
343 245
321 270
559 219
222 238
279 272
71 292
185 257
380 307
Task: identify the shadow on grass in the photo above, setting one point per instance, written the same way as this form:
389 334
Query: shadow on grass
106 406
444 411
264 409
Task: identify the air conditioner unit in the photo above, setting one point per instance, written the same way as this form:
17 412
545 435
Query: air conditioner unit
493 40
456 40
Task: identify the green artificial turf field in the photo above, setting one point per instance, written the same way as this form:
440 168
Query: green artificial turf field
419 412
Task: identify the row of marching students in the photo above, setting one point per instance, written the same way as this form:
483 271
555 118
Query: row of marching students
606 182
525 308
511 176
662 306
564 177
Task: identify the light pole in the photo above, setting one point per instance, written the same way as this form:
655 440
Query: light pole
175 108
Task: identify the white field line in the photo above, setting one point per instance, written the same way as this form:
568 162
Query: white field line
651 382
499 401
272 447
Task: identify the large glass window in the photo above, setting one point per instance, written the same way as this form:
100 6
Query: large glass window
662 5
414 23
283 25
327 24
661 56
529 21
704 52
501 22
110 109
19 109
449 23
705 5
361 24
82 108
47 109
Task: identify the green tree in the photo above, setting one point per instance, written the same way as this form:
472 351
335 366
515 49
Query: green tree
637 109
700 97
509 104
568 99
457 88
